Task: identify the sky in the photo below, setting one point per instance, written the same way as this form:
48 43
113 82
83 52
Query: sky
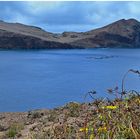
63 16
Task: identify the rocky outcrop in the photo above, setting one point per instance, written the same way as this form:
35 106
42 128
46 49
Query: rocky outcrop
122 33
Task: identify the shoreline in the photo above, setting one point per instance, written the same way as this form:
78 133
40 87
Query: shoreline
69 120
48 49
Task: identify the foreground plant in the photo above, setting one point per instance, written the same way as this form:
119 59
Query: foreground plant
118 118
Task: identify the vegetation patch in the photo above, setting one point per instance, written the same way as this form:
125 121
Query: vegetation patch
14 130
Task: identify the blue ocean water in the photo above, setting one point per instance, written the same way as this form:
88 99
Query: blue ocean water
51 78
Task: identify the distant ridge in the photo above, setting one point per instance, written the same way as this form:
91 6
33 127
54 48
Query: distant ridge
122 33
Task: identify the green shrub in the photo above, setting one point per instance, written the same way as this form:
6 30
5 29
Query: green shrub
14 130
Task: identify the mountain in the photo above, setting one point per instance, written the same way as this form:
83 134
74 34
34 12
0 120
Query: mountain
20 36
122 33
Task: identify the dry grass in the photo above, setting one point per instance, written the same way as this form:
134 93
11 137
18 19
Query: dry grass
116 119
101 119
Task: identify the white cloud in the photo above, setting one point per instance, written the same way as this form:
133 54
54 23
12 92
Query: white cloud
70 16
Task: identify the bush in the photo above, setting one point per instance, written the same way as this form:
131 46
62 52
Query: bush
14 130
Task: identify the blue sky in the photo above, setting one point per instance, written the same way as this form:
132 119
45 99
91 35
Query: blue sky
62 16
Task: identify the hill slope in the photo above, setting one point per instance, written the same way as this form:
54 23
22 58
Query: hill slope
19 36
122 33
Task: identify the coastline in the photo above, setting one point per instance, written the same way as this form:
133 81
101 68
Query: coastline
74 120
74 48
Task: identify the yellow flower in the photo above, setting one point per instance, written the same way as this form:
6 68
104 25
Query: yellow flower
109 107
83 129
101 117
92 136
102 129
86 129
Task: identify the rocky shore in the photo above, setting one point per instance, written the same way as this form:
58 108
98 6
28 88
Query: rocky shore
99 119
